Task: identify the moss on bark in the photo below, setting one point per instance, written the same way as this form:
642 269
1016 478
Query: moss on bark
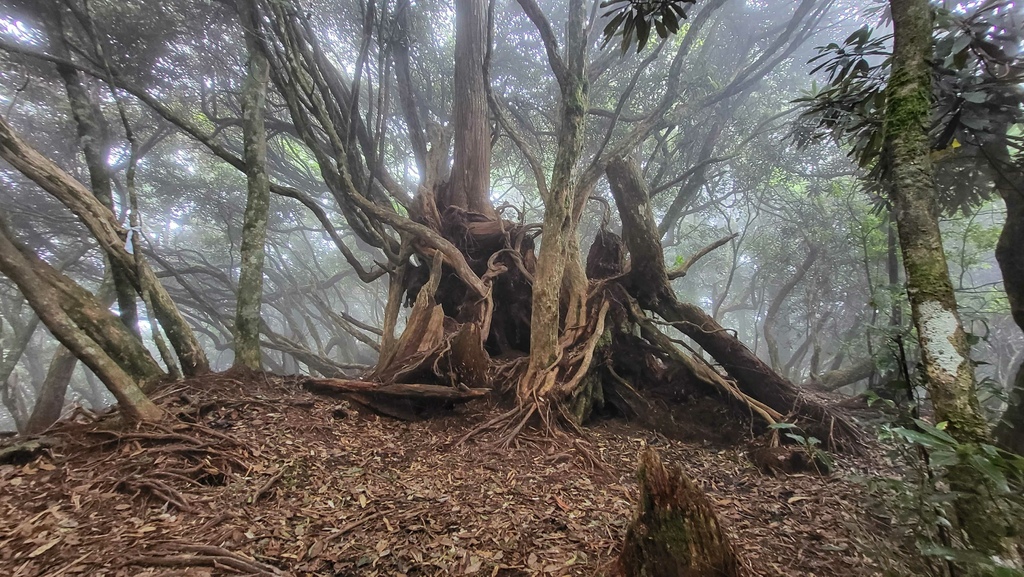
676 532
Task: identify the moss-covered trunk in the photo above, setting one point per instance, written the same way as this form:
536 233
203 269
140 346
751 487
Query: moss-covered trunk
948 371
559 227
257 206
946 365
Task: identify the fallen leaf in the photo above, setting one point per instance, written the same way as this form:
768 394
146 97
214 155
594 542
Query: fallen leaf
562 504
44 548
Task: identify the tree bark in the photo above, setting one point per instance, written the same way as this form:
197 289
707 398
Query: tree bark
947 368
559 226
1009 180
648 282
111 237
257 207
1009 432
92 315
21 338
50 400
840 378
469 186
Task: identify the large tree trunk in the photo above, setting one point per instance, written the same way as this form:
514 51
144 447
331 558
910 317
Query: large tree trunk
946 364
648 282
111 237
676 532
257 207
46 302
559 227
469 186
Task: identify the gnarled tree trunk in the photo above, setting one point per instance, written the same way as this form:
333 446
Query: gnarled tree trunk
46 302
648 282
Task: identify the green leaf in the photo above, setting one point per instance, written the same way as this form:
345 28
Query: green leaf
960 43
919 438
643 32
937 431
798 438
662 31
990 470
976 98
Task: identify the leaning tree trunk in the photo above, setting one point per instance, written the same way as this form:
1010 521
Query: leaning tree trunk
257 206
648 282
111 237
94 137
839 378
945 354
92 315
50 400
676 532
46 302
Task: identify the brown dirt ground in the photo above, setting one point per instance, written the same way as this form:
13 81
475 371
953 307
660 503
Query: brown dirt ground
269 478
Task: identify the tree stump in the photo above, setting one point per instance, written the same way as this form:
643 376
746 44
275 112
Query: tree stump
676 532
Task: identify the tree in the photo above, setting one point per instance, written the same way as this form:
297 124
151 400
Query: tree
482 295
976 72
947 368
257 208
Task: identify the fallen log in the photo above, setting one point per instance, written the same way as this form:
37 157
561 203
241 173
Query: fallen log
676 532
412 392
23 451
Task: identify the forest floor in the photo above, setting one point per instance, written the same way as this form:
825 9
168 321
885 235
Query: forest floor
270 478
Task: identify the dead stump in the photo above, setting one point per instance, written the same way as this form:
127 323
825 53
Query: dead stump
676 532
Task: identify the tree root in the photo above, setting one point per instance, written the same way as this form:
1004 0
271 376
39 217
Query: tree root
206 556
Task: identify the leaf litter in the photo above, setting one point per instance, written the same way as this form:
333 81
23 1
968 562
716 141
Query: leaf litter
261 477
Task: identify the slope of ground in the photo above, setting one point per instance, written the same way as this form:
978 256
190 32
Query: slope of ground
262 477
